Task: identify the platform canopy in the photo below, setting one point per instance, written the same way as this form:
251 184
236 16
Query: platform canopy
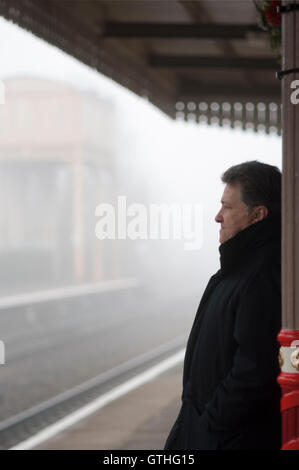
202 60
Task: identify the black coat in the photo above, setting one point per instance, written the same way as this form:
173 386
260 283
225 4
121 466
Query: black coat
231 398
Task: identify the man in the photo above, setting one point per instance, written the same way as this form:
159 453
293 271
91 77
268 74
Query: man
230 398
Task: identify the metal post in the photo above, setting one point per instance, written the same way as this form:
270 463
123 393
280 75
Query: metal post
289 335
77 235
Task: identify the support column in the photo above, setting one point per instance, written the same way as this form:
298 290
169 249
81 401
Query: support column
289 335
98 259
77 235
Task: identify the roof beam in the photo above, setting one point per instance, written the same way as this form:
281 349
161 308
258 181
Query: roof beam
180 31
196 11
201 13
204 91
213 62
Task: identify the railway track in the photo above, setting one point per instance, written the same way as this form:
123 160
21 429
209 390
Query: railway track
22 426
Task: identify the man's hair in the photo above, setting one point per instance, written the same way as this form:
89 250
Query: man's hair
260 184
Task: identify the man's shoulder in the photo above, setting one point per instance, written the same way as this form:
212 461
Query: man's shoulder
264 268
268 256
261 269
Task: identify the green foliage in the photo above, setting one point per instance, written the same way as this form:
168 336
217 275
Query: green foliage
270 21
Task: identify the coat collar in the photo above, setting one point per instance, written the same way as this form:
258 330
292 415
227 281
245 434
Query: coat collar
247 241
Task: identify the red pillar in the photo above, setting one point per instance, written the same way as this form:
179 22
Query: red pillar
289 335
289 382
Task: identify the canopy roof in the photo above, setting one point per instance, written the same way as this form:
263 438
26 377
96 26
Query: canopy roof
208 59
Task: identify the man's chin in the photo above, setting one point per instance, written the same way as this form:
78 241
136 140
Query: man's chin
223 239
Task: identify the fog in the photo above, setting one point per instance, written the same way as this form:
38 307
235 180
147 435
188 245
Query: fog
135 150
71 140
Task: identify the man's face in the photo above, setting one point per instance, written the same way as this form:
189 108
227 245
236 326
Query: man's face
233 213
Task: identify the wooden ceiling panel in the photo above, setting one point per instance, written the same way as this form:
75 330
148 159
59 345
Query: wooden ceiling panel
184 47
230 11
139 11
204 75
160 49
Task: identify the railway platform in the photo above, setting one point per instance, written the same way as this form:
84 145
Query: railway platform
141 419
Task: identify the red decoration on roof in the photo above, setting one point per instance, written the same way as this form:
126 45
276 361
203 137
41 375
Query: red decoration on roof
272 16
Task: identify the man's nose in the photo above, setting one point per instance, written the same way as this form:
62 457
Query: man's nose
218 217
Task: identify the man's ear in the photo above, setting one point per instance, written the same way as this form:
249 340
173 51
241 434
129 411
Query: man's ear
260 213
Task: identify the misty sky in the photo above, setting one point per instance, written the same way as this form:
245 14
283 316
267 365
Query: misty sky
179 161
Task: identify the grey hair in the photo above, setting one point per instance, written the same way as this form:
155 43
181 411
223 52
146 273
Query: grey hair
260 184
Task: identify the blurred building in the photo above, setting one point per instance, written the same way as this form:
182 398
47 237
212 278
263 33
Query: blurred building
57 153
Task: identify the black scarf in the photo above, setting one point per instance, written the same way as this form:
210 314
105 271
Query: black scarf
236 249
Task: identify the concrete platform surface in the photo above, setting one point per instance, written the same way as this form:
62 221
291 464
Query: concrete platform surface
141 419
